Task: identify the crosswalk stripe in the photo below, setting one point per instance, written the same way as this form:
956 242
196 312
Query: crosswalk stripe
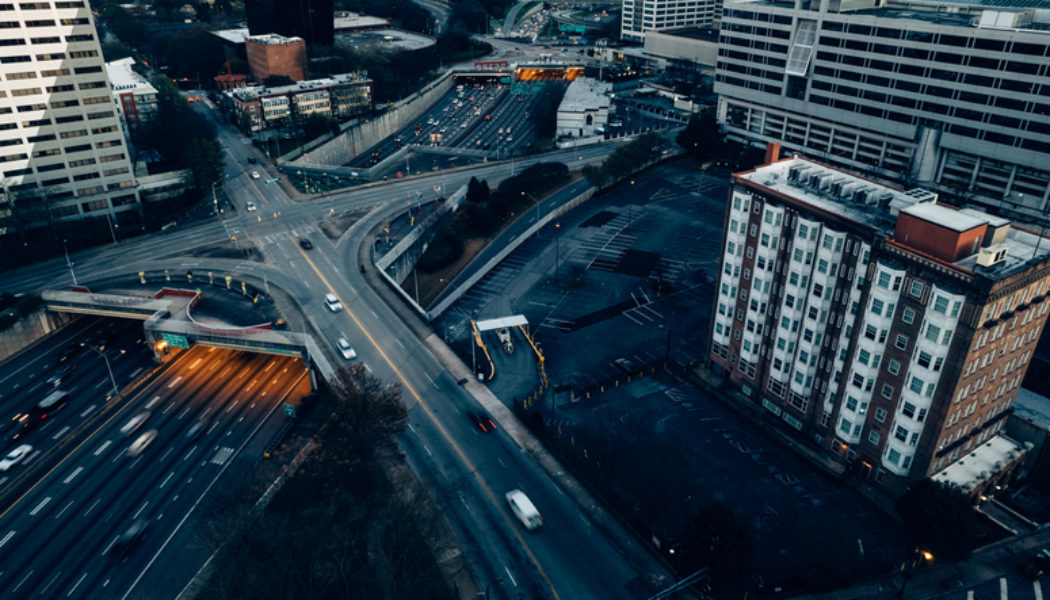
1002 589
1038 589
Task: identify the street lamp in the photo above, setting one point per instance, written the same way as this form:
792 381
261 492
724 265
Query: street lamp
557 251
109 369
68 263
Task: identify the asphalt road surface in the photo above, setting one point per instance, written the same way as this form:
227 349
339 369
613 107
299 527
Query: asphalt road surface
469 472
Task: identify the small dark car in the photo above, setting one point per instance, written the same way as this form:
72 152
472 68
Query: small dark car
305 243
483 421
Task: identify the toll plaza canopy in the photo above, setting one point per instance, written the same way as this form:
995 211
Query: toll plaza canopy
513 321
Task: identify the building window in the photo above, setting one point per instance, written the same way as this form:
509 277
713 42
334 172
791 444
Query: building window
916 289
940 304
924 359
916 385
894 456
908 410
894 367
884 280
887 391
901 434
933 333
877 306
880 415
845 426
908 316
873 436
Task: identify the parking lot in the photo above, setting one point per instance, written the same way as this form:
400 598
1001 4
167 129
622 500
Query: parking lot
624 284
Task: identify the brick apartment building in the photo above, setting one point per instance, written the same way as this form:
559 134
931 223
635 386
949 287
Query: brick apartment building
258 107
272 54
891 330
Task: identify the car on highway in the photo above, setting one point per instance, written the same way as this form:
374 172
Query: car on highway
14 457
332 303
135 422
251 160
197 430
131 537
142 442
482 421
256 175
524 509
306 244
251 206
346 349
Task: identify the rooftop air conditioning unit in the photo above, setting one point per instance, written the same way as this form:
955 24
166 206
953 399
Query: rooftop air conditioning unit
991 255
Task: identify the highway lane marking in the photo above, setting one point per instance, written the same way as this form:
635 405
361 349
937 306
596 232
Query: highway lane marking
87 411
7 538
166 453
76 585
195 363
139 511
511 523
92 507
429 378
1002 588
72 475
64 509
153 402
40 506
61 432
15 589
174 382
42 591
429 453
512 580
181 414
1038 589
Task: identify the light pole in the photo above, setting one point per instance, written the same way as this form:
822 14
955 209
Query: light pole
109 369
536 203
557 251
68 263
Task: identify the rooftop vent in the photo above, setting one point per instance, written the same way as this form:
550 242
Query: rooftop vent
991 255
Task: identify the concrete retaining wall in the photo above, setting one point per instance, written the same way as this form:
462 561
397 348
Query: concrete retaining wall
395 265
362 136
30 329
463 287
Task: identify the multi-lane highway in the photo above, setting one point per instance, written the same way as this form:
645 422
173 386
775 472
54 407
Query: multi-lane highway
148 461
468 470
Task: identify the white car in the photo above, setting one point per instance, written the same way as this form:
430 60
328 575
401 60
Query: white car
142 442
251 206
255 175
135 422
332 303
14 457
346 349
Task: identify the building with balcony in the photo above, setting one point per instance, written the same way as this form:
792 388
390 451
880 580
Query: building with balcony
135 97
887 327
950 96
62 152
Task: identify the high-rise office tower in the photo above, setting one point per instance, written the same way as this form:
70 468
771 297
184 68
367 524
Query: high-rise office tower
312 20
62 152
639 16
889 328
947 95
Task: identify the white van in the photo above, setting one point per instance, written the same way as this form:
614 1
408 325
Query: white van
333 303
523 508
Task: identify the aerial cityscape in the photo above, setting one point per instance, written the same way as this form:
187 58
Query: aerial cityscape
514 299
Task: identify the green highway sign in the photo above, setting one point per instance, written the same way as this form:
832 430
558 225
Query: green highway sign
272 180
174 340
289 410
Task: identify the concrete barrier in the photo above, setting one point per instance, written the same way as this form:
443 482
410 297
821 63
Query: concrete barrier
357 138
463 287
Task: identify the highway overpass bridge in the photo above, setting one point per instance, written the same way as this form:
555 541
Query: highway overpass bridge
169 325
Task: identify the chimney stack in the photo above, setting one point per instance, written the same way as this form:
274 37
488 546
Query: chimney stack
772 152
